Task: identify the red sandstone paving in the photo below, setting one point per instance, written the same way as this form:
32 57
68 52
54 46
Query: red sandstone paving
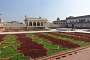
82 55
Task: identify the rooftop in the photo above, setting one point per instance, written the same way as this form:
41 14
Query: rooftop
71 17
35 18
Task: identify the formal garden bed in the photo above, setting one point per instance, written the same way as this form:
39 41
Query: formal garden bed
34 45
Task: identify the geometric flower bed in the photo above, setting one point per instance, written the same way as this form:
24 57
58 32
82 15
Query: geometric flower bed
30 48
34 45
56 41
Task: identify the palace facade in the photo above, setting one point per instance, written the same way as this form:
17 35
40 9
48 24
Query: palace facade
81 22
60 23
78 22
31 23
35 23
14 26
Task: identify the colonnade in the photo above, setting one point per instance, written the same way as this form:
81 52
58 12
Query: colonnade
36 23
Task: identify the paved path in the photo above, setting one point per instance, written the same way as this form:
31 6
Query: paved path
82 55
53 30
77 54
23 32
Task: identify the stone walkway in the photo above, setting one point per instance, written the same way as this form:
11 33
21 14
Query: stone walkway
76 54
53 30
23 32
81 55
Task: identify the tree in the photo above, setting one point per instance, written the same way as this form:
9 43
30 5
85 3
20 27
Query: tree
40 17
58 19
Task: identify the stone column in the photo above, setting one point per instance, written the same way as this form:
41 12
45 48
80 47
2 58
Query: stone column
36 23
28 23
40 23
44 24
32 23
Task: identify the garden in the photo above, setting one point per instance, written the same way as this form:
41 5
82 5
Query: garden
34 45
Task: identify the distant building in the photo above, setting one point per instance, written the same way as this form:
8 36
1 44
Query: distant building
35 23
43 24
1 26
14 26
78 22
52 25
60 23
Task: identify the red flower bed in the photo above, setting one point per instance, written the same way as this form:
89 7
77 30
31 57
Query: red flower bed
1 37
82 34
30 48
77 37
55 33
78 34
60 42
72 34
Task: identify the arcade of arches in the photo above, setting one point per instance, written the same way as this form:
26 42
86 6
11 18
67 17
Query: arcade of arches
36 25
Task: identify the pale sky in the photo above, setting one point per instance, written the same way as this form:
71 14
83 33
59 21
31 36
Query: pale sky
50 9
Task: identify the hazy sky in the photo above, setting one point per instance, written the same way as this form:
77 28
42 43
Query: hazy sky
51 9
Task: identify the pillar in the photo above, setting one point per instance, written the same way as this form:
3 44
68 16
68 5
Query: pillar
36 23
27 23
32 24
40 23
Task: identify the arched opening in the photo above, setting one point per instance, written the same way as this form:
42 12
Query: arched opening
30 23
38 23
41 23
34 23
